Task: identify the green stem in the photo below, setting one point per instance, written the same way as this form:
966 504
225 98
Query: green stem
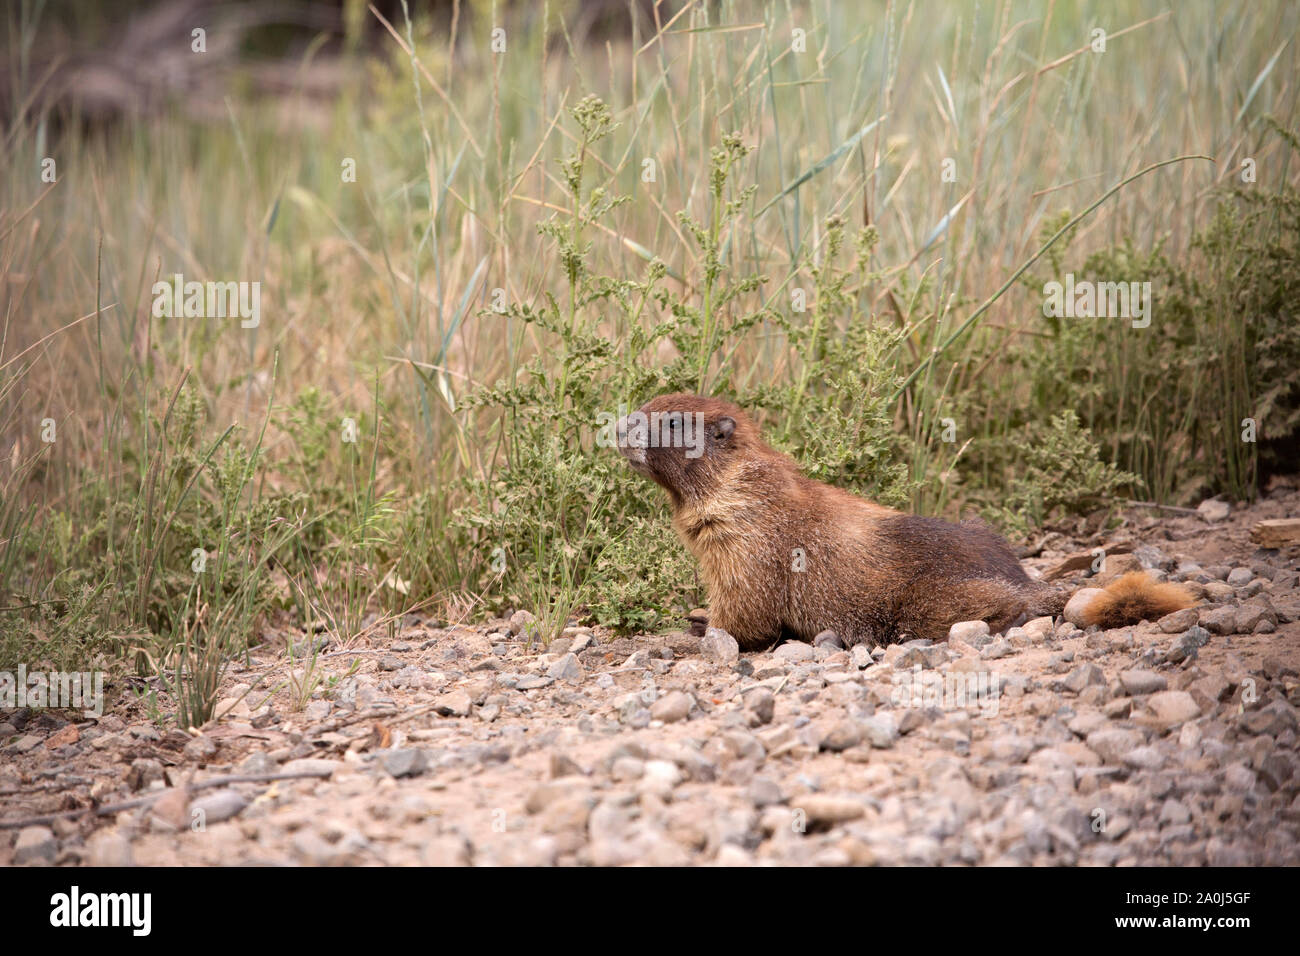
575 235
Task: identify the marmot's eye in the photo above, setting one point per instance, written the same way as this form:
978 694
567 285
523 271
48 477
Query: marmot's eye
674 421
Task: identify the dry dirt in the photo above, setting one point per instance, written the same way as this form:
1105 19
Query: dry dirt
468 745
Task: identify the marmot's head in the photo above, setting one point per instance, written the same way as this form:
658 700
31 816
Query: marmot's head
686 442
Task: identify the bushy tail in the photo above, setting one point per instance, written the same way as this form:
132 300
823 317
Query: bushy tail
1135 597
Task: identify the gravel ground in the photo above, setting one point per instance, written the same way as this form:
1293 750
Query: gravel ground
1171 742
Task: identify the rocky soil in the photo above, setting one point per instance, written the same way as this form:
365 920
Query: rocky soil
1171 742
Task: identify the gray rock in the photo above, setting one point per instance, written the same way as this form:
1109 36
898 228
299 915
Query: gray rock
937 655
760 705
861 656
1249 617
1186 644
1179 621
880 730
1084 675
718 645
218 806
637 660
305 649
35 845
1275 770
1078 605
1152 558
1137 682
1011 748
1212 510
660 777
1219 592
404 761
997 650
627 768
1173 707
1220 620
317 710
257 763
144 772
1086 722
1054 758
562 765
1272 719
1066 631
1239 778
912 718
901 657
455 704
968 631
1239 577
841 736
532 682
567 669
1144 758
1189 736
672 707
523 623
1210 689
200 749
1039 628
1112 743
796 652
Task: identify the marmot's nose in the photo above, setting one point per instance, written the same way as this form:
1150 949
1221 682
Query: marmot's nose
628 438
631 442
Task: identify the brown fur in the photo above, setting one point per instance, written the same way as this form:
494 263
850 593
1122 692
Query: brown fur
1135 597
870 573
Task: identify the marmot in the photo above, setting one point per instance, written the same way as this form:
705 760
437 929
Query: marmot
785 556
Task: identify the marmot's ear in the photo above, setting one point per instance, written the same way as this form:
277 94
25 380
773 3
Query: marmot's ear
723 428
